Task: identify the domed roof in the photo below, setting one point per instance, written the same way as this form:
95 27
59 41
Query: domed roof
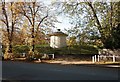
58 33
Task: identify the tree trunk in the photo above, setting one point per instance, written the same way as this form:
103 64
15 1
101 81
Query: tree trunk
33 42
8 51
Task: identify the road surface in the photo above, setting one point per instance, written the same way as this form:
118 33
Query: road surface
31 71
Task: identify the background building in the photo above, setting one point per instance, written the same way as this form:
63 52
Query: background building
58 39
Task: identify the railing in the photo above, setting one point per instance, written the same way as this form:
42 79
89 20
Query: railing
97 58
53 56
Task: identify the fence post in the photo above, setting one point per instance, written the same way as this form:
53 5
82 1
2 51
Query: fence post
98 58
53 56
39 60
113 58
93 59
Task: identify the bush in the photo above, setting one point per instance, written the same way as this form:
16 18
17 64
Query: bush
76 49
21 49
69 50
45 49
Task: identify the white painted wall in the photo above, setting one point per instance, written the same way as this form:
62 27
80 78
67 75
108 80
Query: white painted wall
58 41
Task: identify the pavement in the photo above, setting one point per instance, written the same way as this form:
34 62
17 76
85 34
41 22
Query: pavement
87 63
0 70
73 62
12 70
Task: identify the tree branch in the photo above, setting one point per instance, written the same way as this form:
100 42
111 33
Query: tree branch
42 20
97 21
3 21
94 14
6 17
24 13
37 10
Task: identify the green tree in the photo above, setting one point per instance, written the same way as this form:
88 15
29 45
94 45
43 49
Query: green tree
100 18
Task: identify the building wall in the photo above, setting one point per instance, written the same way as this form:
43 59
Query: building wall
58 41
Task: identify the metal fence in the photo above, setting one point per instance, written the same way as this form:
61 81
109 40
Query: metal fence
98 58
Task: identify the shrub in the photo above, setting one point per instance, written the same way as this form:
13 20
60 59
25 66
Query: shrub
21 49
76 50
45 49
39 50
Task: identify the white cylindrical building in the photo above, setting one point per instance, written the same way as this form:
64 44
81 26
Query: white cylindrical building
58 39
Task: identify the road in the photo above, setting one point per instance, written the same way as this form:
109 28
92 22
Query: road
0 69
31 71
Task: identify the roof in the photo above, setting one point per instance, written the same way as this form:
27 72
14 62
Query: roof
58 34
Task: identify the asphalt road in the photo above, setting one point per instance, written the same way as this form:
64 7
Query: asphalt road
0 70
30 71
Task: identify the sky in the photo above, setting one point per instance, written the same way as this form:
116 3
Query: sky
64 0
64 21
62 18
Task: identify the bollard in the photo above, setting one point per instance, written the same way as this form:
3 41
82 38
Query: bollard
93 59
113 58
53 56
39 60
98 58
